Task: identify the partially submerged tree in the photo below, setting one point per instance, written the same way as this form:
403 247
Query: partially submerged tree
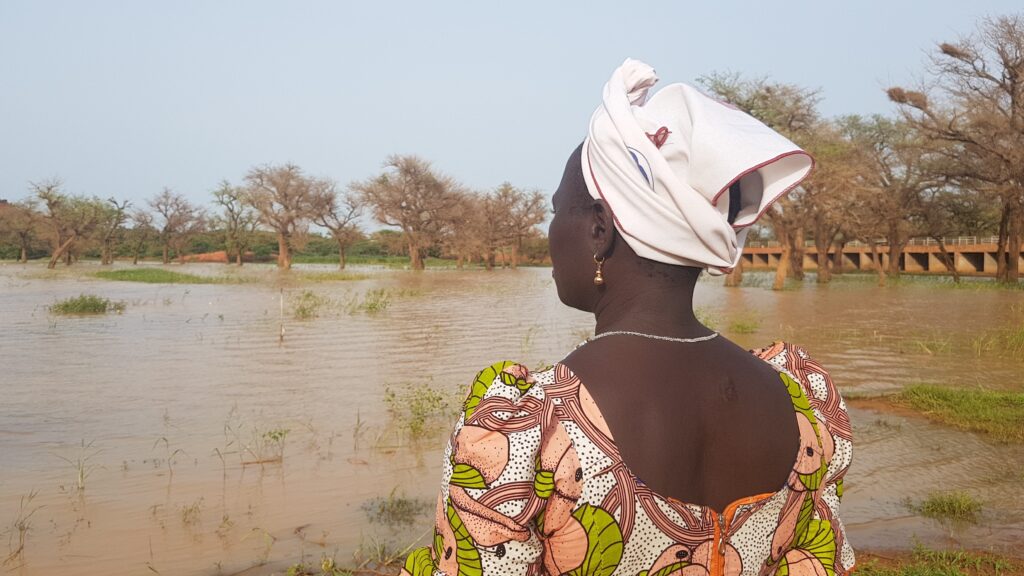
71 218
977 110
111 228
178 220
140 232
339 213
19 222
286 201
411 196
238 220
525 211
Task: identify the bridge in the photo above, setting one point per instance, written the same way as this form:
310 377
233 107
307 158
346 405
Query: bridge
972 255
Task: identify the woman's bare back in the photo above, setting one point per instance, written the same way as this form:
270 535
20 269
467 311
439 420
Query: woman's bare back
705 423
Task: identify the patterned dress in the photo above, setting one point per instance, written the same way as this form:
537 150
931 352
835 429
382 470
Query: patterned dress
534 484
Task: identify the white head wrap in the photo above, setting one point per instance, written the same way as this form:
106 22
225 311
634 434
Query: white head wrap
665 167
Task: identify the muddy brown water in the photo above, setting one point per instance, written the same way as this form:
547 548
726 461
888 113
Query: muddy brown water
164 409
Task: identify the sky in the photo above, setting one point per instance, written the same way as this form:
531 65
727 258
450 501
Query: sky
122 99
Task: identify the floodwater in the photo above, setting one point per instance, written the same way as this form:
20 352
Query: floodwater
163 413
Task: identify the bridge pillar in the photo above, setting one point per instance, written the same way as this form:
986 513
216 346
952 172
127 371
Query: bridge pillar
915 262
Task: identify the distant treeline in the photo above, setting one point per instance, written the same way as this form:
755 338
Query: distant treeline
949 163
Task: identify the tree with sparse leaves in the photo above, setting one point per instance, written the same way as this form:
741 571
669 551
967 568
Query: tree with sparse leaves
238 220
179 220
286 201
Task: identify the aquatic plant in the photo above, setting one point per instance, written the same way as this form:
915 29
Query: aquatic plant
706 317
413 407
191 514
306 306
744 324
999 415
161 276
395 510
86 304
81 463
957 506
336 276
19 529
372 302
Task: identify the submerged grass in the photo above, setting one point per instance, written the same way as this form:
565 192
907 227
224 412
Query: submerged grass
161 276
956 506
335 276
926 562
86 304
415 407
997 414
395 510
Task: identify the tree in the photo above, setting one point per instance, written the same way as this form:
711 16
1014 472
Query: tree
140 232
411 196
286 201
339 214
179 221
71 217
111 228
20 221
525 211
977 108
238 219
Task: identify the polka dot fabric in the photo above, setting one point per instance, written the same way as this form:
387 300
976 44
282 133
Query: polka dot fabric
533 484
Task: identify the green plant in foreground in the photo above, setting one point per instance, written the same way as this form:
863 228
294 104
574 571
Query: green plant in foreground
997 414
956 506
926 562
86 304
81 463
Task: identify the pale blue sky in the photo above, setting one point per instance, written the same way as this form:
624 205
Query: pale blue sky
123 98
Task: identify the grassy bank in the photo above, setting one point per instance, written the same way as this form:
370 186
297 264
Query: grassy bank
996 414
926 562
161 276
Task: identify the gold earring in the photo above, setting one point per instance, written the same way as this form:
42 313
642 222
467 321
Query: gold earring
598 277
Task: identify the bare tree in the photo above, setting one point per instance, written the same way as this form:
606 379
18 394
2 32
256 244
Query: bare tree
411 196
179 220
140 232
339 214
286 200
71 218
20 221
111 228
977 108
525 211
239 220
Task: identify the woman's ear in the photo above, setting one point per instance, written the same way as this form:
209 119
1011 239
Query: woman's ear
602 228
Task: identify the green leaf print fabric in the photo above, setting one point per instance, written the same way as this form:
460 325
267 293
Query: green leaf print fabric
534 485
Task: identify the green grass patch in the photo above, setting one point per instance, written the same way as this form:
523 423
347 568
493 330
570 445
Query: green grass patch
161 276
86 304
307 305
955 506
996 414
336 276
925 562
744 324
415 408
395 510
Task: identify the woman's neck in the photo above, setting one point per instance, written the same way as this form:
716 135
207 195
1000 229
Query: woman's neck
650 308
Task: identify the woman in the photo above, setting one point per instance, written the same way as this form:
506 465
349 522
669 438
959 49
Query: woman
657 447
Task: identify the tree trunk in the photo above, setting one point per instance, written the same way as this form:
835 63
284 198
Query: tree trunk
896 245
458 261
166 253
1013 248
838 248
796 254
489 260
341 255
415 258
735 278
878 263
515 255
238 256
24 252
947 259
1004 222
783 269
284 256
61 251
